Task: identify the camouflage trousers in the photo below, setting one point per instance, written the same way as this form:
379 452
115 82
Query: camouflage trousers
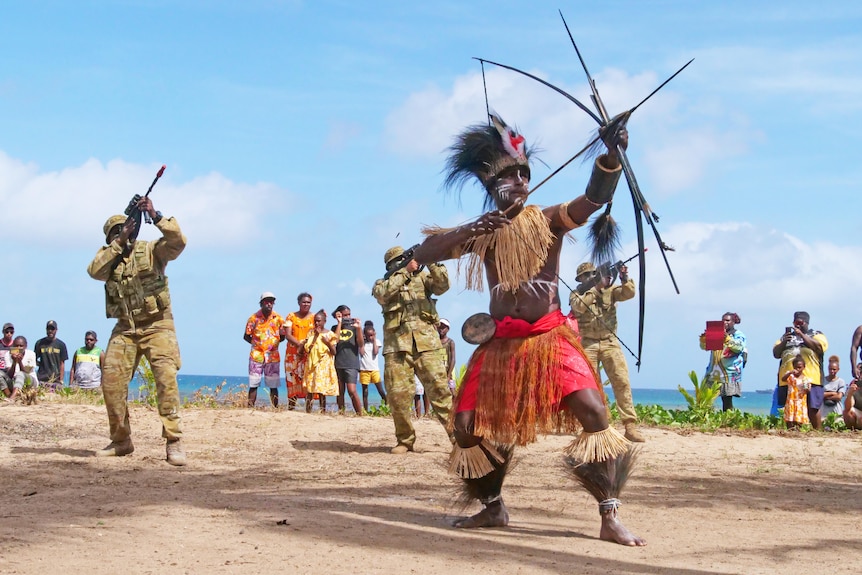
157 341
430 367
614 363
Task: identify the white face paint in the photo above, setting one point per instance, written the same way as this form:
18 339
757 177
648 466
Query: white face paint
505 185
501 191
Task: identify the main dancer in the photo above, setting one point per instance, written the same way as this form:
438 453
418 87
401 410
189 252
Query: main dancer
531 376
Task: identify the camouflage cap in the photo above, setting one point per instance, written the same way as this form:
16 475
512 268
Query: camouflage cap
584 270
392 253
117 220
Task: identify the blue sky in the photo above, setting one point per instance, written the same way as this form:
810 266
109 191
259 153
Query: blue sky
303 139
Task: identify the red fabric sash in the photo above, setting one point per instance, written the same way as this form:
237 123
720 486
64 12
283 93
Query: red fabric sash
510 327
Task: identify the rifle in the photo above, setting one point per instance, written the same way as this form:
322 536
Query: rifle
604 270
133 212
400 262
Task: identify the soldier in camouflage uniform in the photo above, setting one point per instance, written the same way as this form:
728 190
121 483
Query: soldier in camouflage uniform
136 295
411 343
596 311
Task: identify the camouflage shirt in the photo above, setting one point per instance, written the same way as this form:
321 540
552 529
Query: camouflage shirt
597 310
409 313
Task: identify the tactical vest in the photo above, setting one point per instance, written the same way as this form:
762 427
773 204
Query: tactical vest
136 290
411 304
603 321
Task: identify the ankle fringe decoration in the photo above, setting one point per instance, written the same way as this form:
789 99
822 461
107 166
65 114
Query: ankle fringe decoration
599 446
474 462
489 486
520 250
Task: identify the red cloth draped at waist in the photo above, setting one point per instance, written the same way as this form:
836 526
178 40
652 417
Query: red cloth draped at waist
509 327
516 381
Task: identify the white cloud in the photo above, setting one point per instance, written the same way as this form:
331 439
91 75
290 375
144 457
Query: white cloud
678 138
770 269
763 273
356 287
71 205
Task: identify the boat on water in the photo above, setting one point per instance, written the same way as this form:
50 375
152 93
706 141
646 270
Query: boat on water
764 390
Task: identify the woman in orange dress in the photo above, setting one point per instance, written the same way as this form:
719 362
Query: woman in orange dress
297 326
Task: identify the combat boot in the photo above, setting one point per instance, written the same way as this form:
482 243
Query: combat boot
633 435
175 453
401 449
117 449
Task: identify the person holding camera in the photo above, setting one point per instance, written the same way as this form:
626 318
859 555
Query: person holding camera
725 364
411 344
594 305
137 296
347 352
800 339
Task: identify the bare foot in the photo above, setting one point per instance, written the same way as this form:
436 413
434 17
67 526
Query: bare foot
494 515
613 530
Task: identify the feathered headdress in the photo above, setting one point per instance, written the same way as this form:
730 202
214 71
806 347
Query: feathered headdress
484 152
521 249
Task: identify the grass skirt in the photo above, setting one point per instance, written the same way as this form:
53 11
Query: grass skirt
519 383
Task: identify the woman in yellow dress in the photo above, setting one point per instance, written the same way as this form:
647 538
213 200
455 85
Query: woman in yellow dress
318 348
297 326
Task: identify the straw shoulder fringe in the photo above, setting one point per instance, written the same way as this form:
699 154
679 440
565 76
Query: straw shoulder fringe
519 250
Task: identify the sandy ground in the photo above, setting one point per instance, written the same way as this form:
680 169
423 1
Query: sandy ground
286 492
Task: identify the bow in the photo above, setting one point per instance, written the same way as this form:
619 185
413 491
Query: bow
641 207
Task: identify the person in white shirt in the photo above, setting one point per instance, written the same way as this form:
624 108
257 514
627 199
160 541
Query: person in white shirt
20 366
369 367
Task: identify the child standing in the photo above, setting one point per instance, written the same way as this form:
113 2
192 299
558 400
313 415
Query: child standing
798 386
369 367
319 351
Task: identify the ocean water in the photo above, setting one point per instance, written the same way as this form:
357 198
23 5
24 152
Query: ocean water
751 402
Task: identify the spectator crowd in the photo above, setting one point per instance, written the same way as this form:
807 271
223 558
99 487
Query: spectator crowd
44 364
343 360
320 362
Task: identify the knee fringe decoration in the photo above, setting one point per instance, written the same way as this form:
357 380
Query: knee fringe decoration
487 489
599 446
604 480
474 462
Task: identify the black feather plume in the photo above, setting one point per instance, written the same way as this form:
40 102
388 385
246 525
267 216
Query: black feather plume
604 237
603 479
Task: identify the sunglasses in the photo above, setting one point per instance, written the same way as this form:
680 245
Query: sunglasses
10 330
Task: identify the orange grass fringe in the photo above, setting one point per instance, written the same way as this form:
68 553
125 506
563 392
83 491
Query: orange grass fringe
519 395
